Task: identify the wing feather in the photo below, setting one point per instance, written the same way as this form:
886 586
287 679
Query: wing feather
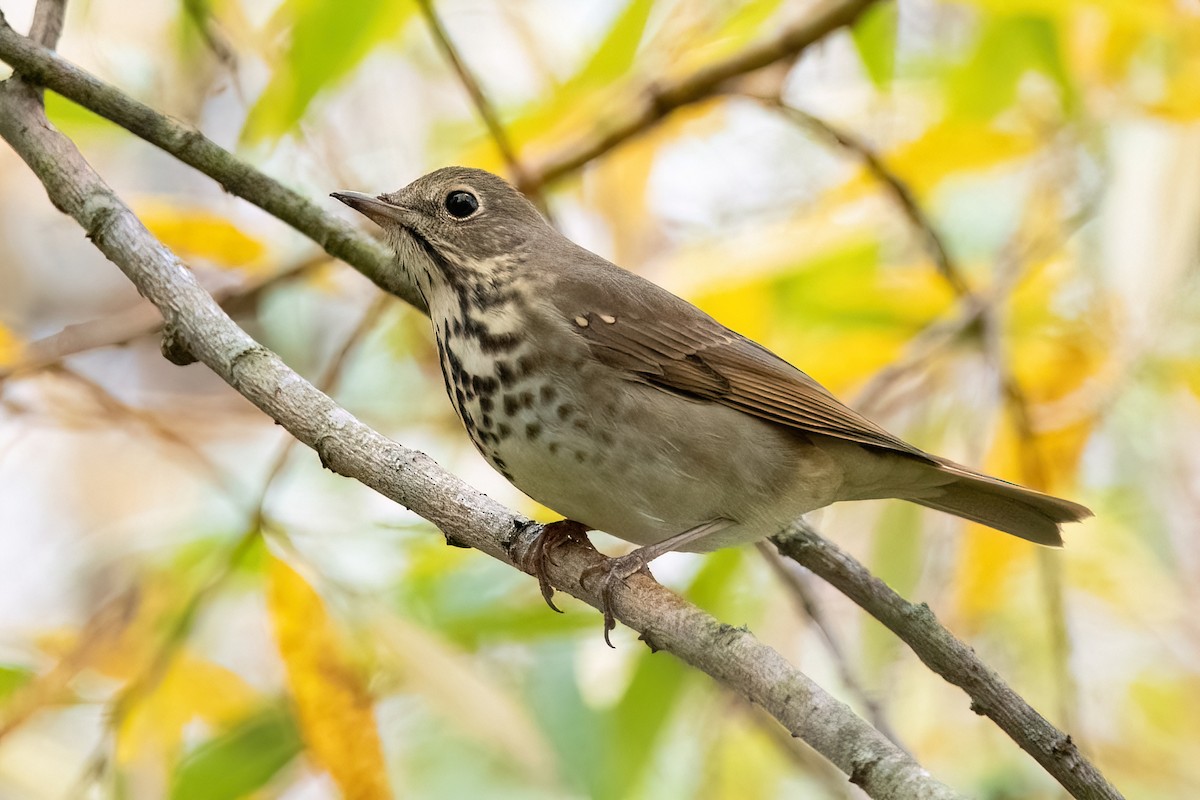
660 339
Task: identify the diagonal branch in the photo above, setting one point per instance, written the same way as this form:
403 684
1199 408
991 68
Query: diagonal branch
663 98
482 106
732 656
952 659
900 192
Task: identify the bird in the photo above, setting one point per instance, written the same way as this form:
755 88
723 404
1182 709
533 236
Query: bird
628 410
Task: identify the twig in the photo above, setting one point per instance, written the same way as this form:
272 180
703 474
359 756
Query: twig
482 106
899 190
327 381
336 236
47 27
164 655
731 655
140 320
796 582
661 99
917 626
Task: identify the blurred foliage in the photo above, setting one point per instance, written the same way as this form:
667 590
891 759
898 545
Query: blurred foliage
151 647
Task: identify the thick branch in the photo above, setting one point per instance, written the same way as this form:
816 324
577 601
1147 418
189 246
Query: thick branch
731 655
950 658
337 237
663 98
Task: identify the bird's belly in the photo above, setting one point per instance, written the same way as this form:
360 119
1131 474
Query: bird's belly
644 465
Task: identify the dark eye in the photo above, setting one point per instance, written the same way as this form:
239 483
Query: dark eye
461 204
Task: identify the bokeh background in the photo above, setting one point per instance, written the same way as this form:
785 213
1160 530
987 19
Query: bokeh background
190 607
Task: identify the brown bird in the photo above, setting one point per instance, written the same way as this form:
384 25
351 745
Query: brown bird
629 410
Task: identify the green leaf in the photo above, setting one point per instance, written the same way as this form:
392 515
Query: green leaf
75 120
875 38
570 724
1008 48
239 761
329 39
11 679
609 62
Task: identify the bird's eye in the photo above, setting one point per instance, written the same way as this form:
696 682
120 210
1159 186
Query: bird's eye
461 204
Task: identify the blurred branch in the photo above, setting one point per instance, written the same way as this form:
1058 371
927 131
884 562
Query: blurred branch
731 655
795 578
336 236
147 680
119 408
478 98
156 668
917 626
661 99
899 190
326 383
141 320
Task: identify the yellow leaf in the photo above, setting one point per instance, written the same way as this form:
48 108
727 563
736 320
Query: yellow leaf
952 148
192 689
10 347
332 704
196 233
989 564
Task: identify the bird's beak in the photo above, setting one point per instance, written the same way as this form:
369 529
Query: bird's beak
375 209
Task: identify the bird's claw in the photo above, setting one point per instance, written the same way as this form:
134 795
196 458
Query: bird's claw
537 557
614 571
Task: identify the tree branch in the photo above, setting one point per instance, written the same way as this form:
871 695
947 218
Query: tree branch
661 99
336 236
917 626
731 655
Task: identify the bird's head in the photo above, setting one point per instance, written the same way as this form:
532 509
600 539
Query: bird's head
454 226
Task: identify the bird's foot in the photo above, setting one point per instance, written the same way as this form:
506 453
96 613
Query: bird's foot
614 571
537 558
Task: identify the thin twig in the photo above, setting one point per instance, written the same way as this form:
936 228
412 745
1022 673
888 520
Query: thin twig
482 105
897 188
733 656
145 682
47 27
137 321
796 581
327 382
661 99
917 627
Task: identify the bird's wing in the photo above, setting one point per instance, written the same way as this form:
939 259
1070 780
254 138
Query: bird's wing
657 338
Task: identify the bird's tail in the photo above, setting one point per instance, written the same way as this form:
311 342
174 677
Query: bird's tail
1001 505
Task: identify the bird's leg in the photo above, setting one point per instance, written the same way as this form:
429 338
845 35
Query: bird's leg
616 570
537 557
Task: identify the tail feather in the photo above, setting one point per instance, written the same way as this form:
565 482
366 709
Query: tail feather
1001 505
